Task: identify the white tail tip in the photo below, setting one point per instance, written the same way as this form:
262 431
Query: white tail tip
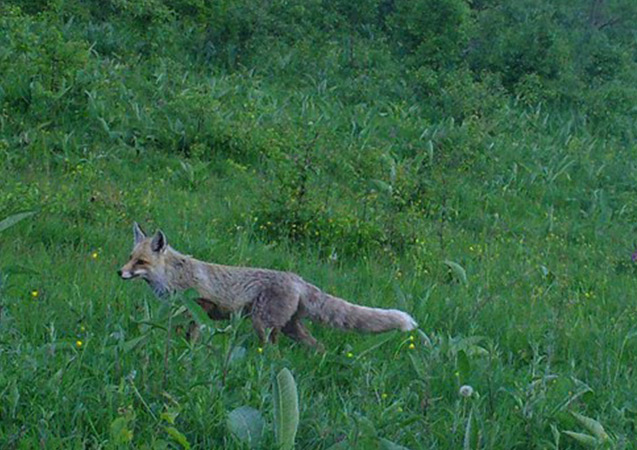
407 322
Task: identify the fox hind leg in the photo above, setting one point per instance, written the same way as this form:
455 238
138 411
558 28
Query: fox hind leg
271 310
295 329
274 335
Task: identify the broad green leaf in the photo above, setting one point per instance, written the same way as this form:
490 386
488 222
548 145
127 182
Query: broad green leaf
593 426
583 438
457 270
120 433
198 313
247 425
286 409
178 437
15 218
237 354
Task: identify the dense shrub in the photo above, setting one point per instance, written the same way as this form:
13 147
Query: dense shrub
39 66
405 96
430 33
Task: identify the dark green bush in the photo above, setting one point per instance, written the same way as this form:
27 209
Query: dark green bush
430 33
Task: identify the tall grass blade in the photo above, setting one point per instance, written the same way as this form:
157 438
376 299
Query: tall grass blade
466 444
15 218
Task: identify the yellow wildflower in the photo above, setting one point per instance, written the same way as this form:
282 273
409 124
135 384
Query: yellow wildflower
35 293
79 343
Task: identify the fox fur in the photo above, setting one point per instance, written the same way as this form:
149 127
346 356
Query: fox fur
276 301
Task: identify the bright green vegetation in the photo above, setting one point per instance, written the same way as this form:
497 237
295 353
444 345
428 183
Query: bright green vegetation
473 163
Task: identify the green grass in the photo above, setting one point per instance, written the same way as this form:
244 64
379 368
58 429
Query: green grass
543 326
500 217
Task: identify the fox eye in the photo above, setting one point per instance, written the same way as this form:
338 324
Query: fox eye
140 262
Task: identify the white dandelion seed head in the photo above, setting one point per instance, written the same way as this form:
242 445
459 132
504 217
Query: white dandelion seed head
466 391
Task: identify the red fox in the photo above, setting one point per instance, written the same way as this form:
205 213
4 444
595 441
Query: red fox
275 300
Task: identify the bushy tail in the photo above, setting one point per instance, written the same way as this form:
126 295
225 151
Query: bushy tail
339 313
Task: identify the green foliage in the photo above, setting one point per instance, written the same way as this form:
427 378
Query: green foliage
598 437
247 424
519 39
431 33
286 409
121 433
39 66
471 163
10 221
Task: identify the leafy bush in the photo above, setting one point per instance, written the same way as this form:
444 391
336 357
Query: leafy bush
431 33
38 64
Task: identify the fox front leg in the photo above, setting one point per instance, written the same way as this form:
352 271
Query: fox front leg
265 333
213 311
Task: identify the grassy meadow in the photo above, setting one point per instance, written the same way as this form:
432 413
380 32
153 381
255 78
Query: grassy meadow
471 163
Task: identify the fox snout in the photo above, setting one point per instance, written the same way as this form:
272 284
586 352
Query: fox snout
124 274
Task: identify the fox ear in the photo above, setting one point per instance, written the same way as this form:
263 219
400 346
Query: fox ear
138 233
159 243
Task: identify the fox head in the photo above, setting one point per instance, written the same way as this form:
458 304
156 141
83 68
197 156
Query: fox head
147 260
